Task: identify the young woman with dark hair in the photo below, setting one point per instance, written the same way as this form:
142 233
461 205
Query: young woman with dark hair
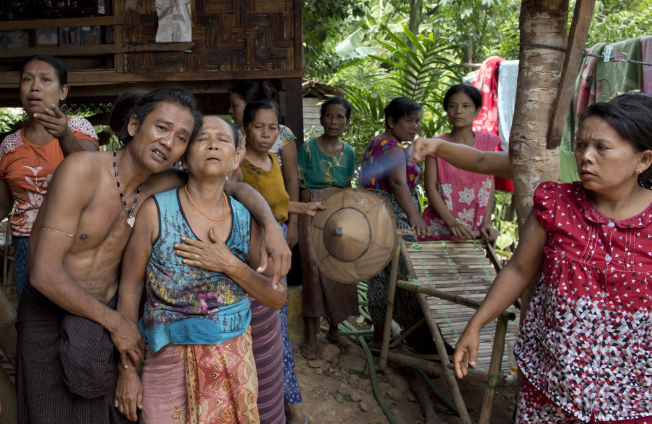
460 203
29 156
585 345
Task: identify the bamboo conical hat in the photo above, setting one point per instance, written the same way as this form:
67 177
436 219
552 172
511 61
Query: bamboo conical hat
352 239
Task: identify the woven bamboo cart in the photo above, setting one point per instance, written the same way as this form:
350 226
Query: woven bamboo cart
451 278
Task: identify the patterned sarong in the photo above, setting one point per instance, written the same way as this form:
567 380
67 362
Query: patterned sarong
201 383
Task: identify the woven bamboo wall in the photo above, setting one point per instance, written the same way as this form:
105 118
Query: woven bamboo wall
248 36
231 40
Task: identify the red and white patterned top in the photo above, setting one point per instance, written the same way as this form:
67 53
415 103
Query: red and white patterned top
28 169
466 194
586 341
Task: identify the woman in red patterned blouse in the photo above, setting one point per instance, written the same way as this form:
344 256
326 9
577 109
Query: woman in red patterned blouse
585 346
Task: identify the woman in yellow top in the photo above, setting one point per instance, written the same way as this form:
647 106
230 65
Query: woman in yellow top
277 382
284 146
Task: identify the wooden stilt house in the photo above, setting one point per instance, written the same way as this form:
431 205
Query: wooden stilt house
110 45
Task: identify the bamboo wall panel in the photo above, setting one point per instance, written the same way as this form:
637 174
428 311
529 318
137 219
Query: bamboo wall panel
230 36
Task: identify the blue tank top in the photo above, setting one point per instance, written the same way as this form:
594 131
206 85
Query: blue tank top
189 305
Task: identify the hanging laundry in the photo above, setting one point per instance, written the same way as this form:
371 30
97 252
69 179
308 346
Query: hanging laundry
599 81
487 82
646 56
507 79
487 120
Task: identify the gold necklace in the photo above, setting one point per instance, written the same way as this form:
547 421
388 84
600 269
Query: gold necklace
226 202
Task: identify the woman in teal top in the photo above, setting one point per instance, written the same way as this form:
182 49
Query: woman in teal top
194 249
326 164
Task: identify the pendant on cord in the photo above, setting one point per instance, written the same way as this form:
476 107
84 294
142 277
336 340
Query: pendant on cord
131 221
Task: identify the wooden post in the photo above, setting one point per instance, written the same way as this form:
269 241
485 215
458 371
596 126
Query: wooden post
404 334
578 34
292 109
414 362
494 370
445 361
391 291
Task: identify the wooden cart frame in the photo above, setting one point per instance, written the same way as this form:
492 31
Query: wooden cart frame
423 291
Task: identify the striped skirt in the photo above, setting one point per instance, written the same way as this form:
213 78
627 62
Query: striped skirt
268 354
201 384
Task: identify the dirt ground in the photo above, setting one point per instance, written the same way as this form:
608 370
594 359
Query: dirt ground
336 389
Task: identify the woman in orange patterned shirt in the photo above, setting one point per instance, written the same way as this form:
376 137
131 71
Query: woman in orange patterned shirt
29 156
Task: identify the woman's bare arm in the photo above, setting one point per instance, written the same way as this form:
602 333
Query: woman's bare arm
486 229
464 157
437 202
507 287
291 177
398 185
215 256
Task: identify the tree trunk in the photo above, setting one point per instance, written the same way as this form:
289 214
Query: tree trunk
541 22
416 11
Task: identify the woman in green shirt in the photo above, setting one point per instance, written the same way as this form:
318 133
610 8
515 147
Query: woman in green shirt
326 165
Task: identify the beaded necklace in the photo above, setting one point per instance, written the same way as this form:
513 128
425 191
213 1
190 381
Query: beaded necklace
130 217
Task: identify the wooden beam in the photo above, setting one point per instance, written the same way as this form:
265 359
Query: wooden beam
445 360
494 370
9 80
97 50
299 62
453 298
293 115
60 22
578 34
391 291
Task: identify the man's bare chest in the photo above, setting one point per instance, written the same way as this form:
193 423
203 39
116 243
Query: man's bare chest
103 226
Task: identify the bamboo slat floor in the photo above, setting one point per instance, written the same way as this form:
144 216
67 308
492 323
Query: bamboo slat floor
460 268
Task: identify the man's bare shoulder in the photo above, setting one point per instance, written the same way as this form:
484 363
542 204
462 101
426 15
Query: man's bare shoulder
86 161
79 175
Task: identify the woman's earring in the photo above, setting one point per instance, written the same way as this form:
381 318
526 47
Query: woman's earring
638 172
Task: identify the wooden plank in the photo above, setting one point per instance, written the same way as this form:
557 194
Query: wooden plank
10 79
216 7
60 22
118 37
293 109
97 50
445 362
299 62
578 35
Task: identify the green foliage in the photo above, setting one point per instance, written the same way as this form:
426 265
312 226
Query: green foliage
477 29
85 110
504 221
619 20
418 65
324 20
10 119
414 66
